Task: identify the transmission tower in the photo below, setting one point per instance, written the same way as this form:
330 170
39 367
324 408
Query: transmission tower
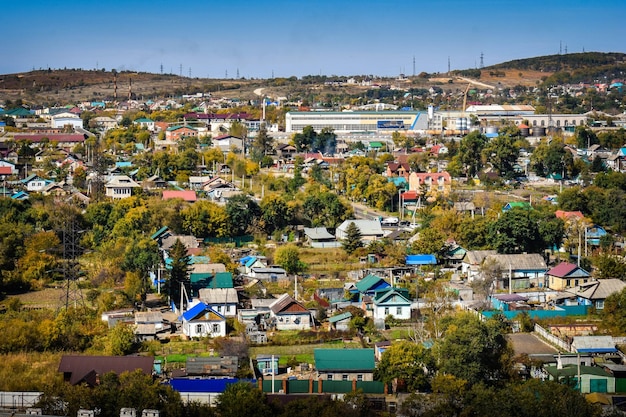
482 62
72 294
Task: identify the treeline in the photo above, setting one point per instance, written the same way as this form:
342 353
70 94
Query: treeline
558 62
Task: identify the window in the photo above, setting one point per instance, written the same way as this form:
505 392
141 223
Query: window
228 309
399 310
600 305
344 377
199 329
359 377
568 282
216 328
329 377
386 311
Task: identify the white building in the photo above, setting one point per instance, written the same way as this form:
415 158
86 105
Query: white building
120 186
357 121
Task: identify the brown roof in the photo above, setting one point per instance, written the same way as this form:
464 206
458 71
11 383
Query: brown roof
286 304
77 369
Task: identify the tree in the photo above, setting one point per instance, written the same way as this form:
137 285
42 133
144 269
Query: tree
402 141
407 365
275 213
431 241
475 351
179 272
288 256
353 239
206 219
140 257
325 209
243 212
303 141
262 145
502 153
470 150
242 399
516 231
614 313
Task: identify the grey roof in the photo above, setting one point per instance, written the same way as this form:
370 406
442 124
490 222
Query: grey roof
212 366
218 296
317 233
476 257
585 343
600 289
517 262
206 268
148 317
261 302
121 181
188 241
367 227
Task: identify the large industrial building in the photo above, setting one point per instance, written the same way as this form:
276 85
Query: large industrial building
432 121
358 121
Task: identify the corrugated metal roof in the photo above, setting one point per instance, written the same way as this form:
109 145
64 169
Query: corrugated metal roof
286 303
519 262
600 289
338 360
370 283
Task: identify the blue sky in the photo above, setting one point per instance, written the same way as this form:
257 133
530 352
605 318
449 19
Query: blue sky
286 38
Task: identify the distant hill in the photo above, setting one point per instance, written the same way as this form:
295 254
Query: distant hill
62 86
571 68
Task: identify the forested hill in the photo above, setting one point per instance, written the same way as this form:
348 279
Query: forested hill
572 68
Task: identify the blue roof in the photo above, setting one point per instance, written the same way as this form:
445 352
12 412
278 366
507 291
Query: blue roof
245 259
421 260
198 310
204 385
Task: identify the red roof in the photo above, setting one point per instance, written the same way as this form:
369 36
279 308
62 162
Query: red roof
53 137
6 170
409 195
187 195
562 270
565 215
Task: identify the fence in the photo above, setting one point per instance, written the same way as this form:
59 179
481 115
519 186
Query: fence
311 386
552 339
19 399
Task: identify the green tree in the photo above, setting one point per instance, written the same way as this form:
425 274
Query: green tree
243 212
288 256
140 257
516 231
502 153
610 266
402 141
406 364
614 313
470 150
206 219
325 209
275 213
475 351
262 145
353 239
242 399
179 272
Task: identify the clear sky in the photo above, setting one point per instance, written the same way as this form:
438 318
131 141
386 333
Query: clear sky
261 39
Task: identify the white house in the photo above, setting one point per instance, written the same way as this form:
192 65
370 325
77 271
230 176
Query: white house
66 119
202 321
370 229
120 186
222 300
226 143
392 302
288 314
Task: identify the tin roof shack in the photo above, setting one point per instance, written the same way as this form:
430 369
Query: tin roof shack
212 366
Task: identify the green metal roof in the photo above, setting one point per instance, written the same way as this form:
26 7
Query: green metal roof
368 282
572 370
331 360
211 280
339 317
159 232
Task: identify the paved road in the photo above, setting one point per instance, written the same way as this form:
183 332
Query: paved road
530 344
